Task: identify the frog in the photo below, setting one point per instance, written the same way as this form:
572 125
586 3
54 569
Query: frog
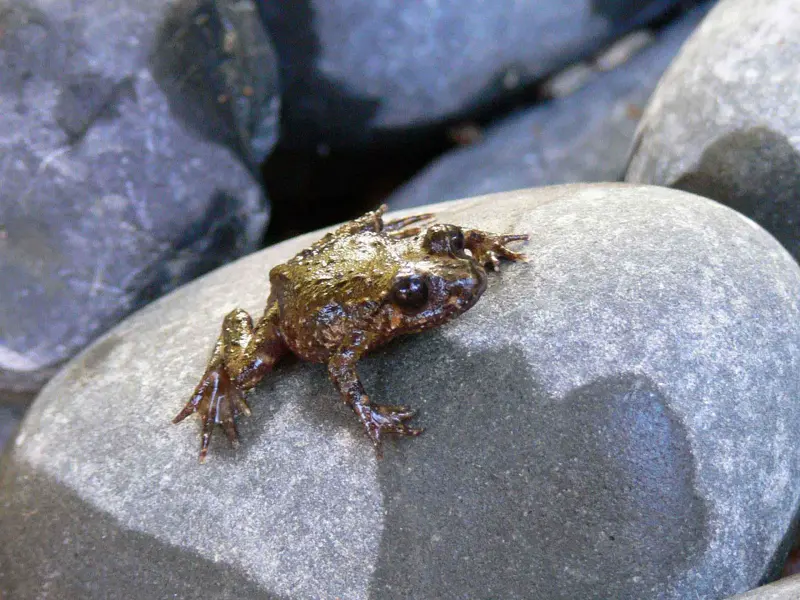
357 288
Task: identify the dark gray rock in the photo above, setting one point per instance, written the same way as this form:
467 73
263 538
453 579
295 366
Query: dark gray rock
357 69
616 418
786 589
581 138
108 199
723 122
9 420
220 71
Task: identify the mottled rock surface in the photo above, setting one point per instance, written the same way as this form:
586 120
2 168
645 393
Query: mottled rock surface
616 418
108 198
584 137
356 69
723 121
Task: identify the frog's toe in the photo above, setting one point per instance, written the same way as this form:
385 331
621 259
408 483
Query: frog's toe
400 413
218 401
500 249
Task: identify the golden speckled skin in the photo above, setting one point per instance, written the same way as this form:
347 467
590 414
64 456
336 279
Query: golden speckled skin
353 290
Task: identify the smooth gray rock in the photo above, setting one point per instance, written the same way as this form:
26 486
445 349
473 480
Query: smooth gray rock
616 418
786 589
723 121
584 137
354 70
107 199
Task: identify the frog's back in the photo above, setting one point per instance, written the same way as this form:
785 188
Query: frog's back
332 285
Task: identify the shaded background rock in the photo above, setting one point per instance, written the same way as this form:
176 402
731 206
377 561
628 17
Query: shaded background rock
108 200
584 137
9 419
317 178
356 70
216 63
723 121
618 415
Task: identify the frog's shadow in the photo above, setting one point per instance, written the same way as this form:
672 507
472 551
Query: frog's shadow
510 489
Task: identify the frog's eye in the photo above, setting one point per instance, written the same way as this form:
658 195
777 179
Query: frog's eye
441 239
410 291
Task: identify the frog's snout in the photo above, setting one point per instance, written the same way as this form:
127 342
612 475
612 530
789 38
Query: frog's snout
465 292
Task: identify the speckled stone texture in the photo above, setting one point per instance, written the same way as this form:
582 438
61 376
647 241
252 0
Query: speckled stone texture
616 418
356 69
724 123
584 137
108 198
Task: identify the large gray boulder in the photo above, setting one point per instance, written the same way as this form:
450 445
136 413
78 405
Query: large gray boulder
723 122
584 137
109 198
785 589
616 418
355 70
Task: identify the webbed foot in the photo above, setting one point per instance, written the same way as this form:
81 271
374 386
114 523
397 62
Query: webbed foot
218 401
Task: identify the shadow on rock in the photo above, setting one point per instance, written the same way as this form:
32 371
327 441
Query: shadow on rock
757 172
513 493
89 556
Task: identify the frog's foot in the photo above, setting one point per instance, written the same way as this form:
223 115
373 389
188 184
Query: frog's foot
379 420
218 401
488 248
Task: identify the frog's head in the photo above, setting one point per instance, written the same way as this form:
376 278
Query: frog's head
437 281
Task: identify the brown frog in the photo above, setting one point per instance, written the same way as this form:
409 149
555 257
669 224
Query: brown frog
350 292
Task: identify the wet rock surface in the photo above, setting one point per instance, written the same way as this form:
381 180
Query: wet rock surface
615 418
723 120
109 199
583 137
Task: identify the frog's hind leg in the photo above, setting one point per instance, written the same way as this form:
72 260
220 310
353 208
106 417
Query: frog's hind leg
373 221
399 228
242 355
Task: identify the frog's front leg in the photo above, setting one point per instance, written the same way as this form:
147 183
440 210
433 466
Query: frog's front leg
488 248
376 419
242 355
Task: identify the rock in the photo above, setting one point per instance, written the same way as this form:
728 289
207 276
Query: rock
220 71
616 418
581 138
785 589
356 70
9 420
108 199
723 121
